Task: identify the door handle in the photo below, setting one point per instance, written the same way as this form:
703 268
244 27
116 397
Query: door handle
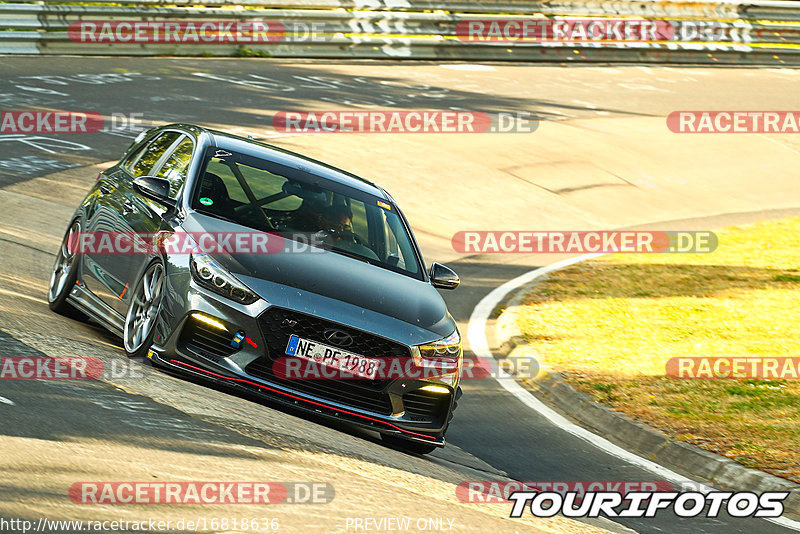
127 207
105 188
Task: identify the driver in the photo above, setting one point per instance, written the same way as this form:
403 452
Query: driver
339 227
340 220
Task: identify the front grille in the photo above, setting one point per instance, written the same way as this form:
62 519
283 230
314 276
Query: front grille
206 340
426 405
278 324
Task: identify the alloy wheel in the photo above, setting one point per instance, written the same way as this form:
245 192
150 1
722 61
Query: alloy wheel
140 321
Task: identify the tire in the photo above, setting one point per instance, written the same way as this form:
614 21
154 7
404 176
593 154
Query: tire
140 321
405 445
65 274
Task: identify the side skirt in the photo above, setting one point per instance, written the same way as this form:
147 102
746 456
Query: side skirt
95 308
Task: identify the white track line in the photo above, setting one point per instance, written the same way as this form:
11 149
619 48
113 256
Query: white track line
476 333
7 401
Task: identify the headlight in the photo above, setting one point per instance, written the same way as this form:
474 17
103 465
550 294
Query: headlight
444 354
209 274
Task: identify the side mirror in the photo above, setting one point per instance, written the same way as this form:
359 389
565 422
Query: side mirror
154 188
444 277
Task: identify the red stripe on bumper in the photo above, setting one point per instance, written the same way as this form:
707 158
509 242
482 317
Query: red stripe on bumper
261 386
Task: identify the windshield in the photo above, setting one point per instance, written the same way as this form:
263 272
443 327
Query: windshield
271 197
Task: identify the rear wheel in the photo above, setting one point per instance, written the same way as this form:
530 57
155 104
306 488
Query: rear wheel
140 320
65 272
407 445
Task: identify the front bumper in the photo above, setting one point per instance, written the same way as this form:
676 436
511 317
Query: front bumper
300 402
397 407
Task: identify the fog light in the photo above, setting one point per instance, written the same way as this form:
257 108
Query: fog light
435 389
210 321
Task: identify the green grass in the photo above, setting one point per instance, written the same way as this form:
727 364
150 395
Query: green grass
610 326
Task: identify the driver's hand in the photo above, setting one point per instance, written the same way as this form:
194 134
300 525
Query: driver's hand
346 235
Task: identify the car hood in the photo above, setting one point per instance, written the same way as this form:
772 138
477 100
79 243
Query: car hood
338 287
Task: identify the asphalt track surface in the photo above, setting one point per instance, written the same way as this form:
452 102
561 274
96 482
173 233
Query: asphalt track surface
493 434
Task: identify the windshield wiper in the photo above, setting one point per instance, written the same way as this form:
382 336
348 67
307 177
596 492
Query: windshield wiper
353 255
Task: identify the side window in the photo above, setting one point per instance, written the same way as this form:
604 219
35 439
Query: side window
177 164
232 186
152 153
133 158
399 251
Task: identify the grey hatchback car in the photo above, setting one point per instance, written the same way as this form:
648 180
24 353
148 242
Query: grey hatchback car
247 265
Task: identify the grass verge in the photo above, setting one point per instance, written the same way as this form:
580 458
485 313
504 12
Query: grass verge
611 324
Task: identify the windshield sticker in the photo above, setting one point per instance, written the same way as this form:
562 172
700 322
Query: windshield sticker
384 205
222 154
205 201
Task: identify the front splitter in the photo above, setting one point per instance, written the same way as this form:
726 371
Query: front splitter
293 400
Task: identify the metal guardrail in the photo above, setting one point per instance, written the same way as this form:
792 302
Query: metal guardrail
755 32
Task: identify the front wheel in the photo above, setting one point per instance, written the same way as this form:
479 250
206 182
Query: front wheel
65 271
140 321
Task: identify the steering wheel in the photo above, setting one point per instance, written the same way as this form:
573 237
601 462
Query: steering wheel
358 239
346 235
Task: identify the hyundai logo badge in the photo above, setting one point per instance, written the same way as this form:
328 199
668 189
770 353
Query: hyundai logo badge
338 337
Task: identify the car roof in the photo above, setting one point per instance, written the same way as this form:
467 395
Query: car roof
252 147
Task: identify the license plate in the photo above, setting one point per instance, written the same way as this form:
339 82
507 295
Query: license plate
350 364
